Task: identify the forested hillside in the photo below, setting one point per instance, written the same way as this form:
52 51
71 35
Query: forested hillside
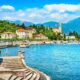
6 26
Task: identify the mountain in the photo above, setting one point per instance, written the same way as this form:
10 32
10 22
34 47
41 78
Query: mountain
20 22
49 24
73 25
77 20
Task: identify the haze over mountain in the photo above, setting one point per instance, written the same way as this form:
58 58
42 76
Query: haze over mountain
20 22
49 24
73 25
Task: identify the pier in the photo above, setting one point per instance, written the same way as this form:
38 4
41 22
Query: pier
14 68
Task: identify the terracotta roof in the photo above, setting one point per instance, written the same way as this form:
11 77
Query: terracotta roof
39 35
21 30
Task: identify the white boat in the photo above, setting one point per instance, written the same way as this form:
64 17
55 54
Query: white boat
24 45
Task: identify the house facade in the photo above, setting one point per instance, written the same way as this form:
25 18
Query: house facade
58 30
21 33
8 35
72 37
40 36
30 31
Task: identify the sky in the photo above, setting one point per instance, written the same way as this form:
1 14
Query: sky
40 11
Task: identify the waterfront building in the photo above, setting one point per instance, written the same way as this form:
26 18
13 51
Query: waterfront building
30 31
71 37
30 35
40 36
58 30
21 33
8 35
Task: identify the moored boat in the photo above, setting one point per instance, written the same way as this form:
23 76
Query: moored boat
24 45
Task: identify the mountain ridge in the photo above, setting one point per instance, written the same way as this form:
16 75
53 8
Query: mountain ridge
72 25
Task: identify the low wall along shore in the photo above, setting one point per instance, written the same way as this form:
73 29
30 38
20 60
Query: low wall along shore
4 44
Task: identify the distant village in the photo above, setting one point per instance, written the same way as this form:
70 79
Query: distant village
29 33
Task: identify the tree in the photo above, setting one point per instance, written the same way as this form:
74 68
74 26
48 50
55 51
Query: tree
23 26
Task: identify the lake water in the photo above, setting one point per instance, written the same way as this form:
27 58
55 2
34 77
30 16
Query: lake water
59 61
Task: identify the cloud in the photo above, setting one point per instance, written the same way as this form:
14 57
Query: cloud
62 7
53 12
7 7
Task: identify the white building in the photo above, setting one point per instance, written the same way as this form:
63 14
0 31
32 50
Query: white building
8 35
21 33
71 37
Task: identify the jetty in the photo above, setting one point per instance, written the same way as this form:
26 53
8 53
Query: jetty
14 68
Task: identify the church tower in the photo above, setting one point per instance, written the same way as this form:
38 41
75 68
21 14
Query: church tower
60 27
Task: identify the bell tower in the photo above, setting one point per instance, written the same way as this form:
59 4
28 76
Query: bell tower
60 27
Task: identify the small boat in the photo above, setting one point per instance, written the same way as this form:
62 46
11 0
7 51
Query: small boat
24 45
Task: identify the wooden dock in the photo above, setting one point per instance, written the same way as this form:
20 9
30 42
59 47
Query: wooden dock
14 68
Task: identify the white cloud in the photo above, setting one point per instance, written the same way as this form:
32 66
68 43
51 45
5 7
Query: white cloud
7 7
62 7
53 12
21 13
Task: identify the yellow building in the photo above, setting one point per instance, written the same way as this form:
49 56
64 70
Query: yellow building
58 30
30 32
30 35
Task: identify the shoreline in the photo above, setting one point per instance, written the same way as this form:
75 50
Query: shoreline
4 44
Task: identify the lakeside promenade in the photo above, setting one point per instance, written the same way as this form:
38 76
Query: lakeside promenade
4 44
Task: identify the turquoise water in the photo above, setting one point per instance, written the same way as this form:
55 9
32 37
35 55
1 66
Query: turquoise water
59 61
